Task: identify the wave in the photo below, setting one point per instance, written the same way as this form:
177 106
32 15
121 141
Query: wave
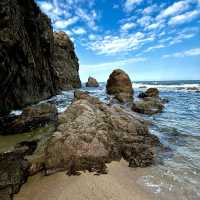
188 87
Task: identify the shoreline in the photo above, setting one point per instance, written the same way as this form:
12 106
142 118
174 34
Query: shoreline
119 183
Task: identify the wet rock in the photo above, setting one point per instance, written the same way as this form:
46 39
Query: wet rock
148 106
13 173
193 88
151 92
32 117
90 134
32 66
150 102
92 82
65 62
119 85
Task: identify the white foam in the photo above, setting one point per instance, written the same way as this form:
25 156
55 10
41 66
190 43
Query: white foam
167 87
16 112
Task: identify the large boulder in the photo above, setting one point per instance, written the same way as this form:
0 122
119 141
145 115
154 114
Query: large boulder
92 82
27 65
90 134
65 62
32 117
119 85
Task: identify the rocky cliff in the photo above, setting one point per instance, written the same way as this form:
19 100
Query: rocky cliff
27 71
65 62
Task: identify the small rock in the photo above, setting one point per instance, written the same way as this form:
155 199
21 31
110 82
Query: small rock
92 82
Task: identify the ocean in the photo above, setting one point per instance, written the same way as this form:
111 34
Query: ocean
178 128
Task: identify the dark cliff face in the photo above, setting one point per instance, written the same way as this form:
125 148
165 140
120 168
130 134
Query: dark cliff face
65 62
27 72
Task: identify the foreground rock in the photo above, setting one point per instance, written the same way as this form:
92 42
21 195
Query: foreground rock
90 134
92 82
65 62
32 117
119 85
14 167
150 104
27 71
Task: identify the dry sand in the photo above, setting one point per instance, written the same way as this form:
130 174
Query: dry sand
118 184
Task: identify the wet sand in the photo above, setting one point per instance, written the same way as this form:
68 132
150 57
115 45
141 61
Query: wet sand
118 184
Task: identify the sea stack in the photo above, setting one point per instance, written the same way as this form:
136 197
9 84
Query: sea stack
92 82
119 84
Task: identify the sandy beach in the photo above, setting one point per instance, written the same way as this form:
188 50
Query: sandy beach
119 183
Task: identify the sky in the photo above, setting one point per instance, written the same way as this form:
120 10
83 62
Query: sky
149 39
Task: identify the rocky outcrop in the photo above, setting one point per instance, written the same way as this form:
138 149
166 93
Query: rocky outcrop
32 117
151 92
150 104
119 85
90 134
27 72
13 173
14 167
92 82
65 62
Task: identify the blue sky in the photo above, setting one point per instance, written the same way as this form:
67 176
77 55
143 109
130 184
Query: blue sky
149 39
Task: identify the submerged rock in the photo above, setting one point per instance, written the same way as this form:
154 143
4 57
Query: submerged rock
32 117
150 104
27 66
151 92
92 82
65 62
119 85
90 134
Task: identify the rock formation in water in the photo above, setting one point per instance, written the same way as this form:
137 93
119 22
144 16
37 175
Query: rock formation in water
119 85
150 102
151 92
27 71
92 82
90 134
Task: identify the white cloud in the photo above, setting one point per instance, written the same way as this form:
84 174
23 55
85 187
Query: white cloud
155 47
110 44
111 65
154 26
129 4
61 24
127 26
174 9
150 9
88 17
92 37
79 31
186 17
145 20
46 6
190 52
